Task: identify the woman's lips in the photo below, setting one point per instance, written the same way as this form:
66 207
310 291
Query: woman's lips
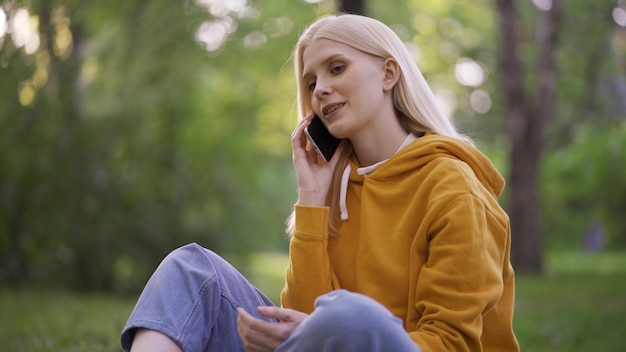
331 109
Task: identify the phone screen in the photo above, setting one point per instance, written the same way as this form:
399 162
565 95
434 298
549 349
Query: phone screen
324 142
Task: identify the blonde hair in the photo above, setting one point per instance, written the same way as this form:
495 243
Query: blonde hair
415 104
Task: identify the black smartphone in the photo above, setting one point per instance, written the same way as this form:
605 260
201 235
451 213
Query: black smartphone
324 142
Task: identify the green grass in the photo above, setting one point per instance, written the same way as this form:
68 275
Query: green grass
60 321
580 305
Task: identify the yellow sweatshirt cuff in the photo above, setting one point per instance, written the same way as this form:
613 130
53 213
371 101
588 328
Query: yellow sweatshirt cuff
311 221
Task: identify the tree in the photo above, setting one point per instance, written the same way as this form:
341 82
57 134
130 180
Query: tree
93 160
529 112
126 138
352 6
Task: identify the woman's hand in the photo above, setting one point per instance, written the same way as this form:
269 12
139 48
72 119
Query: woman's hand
313 176
259 335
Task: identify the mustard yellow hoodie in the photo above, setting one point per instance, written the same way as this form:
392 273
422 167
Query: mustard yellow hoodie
426 238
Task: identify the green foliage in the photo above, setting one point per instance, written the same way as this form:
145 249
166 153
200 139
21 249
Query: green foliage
584 184
589 50
129 139
590 66
446 33
133 140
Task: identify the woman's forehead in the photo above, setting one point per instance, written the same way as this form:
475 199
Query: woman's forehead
321 50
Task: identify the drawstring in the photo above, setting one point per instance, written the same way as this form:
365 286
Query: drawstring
364 171
342 192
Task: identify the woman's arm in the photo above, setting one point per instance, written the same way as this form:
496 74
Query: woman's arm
462 278
309 273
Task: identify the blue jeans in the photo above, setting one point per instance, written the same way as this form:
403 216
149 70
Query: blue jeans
193 295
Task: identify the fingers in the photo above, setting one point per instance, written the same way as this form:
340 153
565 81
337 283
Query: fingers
298 131
260 335
282 314
313 176
302 151
257 335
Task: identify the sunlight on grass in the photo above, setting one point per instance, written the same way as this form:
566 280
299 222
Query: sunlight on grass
267 273
574 262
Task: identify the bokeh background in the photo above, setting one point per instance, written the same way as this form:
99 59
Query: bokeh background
131 127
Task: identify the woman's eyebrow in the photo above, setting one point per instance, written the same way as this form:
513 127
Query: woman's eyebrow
332 57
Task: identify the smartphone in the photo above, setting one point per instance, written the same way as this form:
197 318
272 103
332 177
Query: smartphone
324 142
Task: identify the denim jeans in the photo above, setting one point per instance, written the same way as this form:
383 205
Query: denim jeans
193 295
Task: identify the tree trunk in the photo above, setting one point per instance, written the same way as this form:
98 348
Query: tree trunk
352 6
528 116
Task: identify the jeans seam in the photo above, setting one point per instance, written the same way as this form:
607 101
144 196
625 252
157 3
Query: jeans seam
197 307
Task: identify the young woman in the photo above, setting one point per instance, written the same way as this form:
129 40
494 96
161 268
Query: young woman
398 242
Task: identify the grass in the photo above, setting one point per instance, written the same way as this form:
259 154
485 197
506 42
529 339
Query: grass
579 305
60 321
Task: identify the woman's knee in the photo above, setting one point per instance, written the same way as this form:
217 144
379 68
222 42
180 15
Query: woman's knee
342 309
189 264
346 321
346 313
189 257
187 253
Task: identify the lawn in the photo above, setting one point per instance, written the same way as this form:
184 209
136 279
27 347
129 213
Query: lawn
580 305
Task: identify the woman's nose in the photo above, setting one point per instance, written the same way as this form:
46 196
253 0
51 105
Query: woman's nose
321 89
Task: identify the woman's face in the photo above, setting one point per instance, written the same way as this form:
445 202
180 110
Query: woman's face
346 87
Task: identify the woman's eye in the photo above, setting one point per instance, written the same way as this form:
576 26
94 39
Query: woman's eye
337 69
311 86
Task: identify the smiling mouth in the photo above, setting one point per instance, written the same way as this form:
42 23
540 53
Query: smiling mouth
329 110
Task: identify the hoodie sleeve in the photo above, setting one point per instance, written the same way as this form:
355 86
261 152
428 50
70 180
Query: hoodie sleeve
309 274
462 278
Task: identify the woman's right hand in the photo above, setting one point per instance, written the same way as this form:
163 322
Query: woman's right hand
312 174
258 335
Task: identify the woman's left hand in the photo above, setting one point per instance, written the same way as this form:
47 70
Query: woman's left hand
259 335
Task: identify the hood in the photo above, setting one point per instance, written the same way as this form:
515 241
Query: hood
432 146
419 153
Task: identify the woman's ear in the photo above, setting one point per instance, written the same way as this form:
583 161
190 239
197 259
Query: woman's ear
392 73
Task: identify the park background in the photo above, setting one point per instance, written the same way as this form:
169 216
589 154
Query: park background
131 127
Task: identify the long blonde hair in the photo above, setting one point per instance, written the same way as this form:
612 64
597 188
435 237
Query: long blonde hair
415 104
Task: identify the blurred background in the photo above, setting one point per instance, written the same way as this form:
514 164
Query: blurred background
131 127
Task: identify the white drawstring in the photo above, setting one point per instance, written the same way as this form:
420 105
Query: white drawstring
342 192
363 171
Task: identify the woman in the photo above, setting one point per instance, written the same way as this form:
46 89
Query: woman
398 242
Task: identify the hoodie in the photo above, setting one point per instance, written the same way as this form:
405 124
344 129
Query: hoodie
426 238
